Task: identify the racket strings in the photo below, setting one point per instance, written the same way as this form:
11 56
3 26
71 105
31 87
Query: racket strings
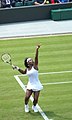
6 58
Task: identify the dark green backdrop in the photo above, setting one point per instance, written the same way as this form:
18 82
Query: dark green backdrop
29 13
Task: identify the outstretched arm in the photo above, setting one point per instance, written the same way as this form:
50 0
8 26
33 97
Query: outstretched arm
36 57
20 70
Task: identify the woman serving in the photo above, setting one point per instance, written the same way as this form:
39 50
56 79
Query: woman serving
34 86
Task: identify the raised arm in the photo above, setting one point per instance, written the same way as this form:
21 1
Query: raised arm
36 57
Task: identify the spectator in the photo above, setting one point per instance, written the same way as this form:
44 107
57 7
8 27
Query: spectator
7 3
0 3
28 2
39 2
18 3
62 1
42 2
52 1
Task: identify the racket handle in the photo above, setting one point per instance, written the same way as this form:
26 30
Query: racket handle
12 66
15 67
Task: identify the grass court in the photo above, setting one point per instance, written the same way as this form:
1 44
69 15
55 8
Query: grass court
55 55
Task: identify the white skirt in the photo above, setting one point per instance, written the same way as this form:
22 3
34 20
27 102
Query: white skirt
35 87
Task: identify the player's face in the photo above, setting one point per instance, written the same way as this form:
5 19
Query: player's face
30 62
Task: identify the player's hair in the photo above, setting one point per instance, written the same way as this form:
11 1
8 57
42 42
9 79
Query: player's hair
25 63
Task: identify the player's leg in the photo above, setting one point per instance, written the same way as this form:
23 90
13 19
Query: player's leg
27 96
36 96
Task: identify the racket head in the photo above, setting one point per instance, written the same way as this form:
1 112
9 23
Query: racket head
6 57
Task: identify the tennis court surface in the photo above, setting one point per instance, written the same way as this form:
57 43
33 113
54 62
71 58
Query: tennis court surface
55 70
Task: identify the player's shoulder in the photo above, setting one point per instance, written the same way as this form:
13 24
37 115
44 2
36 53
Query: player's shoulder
35 67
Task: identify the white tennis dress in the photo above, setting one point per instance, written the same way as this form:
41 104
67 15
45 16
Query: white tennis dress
34 82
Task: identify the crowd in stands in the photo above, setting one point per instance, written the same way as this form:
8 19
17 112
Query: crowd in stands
17 3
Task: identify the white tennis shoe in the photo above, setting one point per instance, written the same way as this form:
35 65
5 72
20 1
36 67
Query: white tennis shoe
34 108
26 108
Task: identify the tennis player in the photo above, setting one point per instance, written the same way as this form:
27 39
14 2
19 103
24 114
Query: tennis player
34 86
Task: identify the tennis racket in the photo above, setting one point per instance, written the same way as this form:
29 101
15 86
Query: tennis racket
6 57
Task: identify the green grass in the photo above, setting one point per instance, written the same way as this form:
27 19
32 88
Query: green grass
55 55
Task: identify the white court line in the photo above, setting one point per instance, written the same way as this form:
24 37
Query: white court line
48 73
31 98
53 83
